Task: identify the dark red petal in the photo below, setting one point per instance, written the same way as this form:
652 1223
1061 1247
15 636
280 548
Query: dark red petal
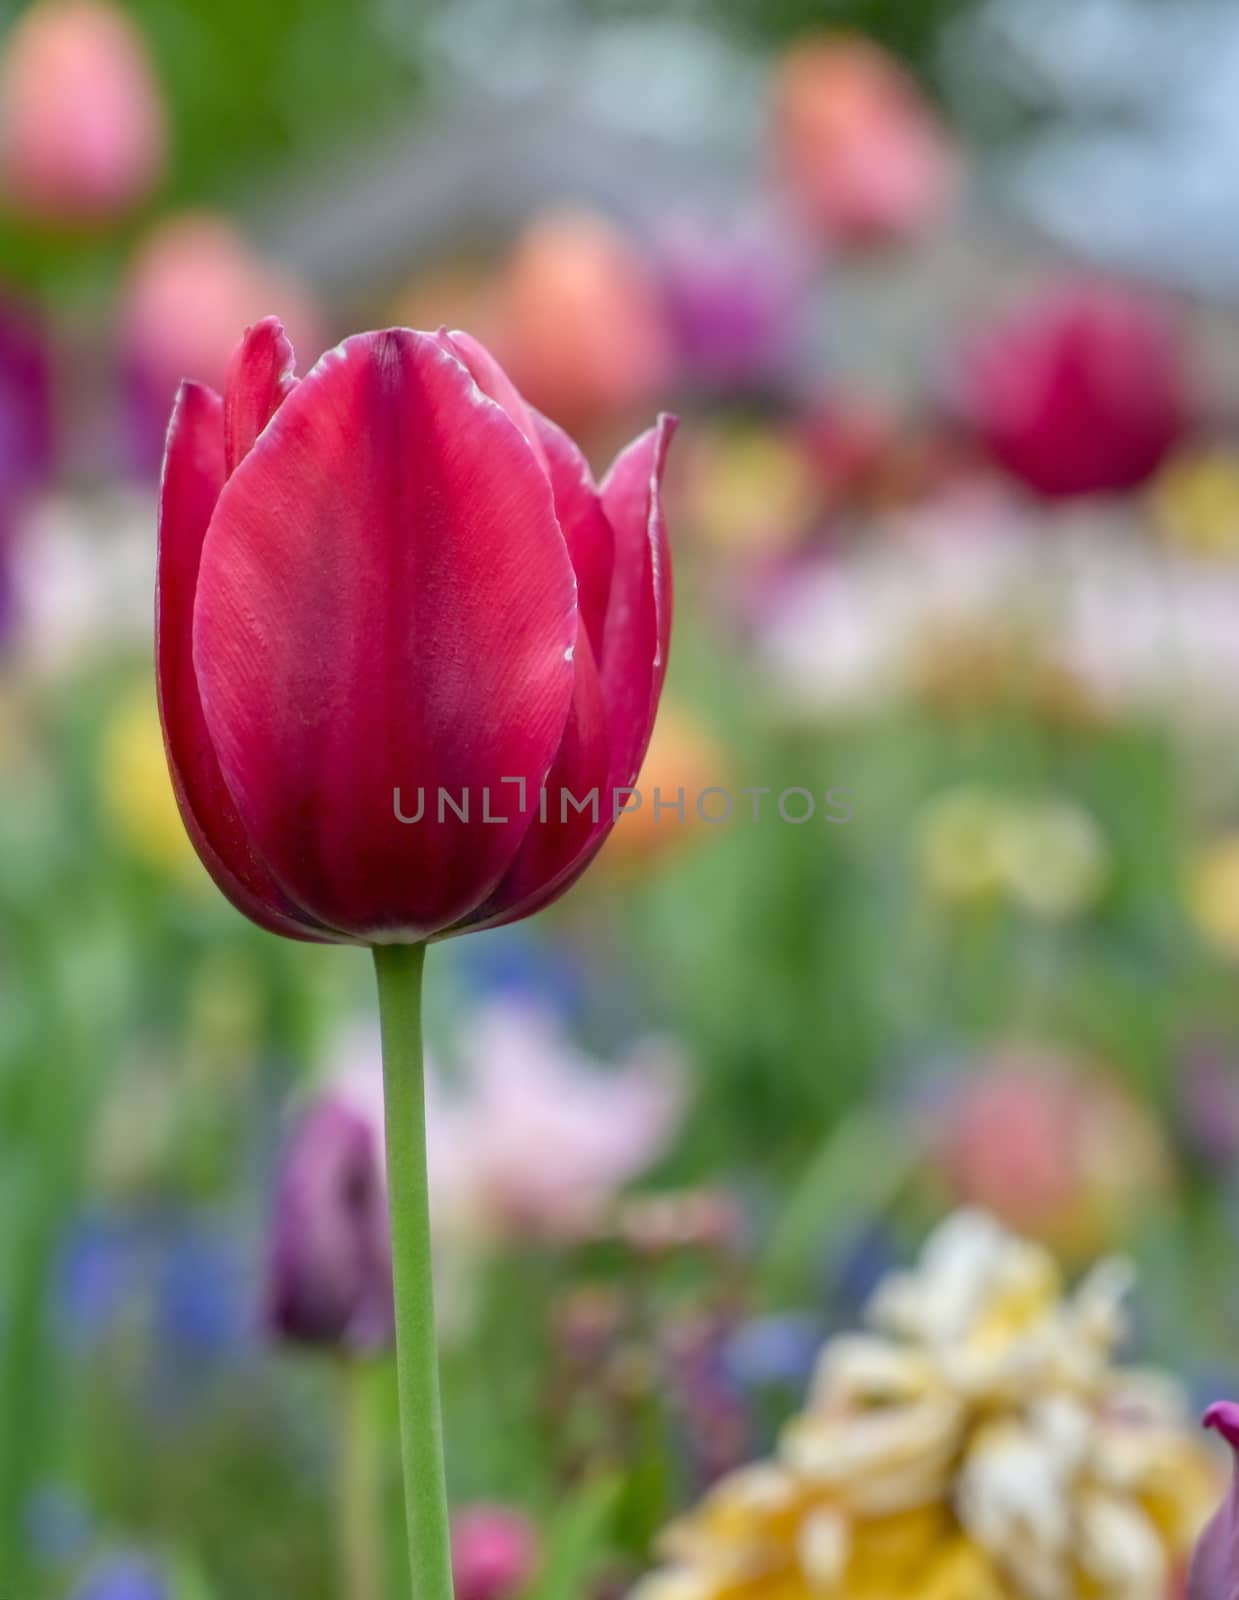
560 832
591 544
386 602
193 476
638 625
261 376
578 505
638 630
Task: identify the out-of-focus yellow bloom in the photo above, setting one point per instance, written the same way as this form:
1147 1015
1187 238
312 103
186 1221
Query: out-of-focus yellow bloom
1053 858
979 1444
959 837
1048 857
136 792
1196 500
1213 893
748 491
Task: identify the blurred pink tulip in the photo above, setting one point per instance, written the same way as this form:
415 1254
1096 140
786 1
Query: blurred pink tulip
1215 1567
579 321
195 283
1063 1153
539 1139
83 136
864 156
494 1550
1082 391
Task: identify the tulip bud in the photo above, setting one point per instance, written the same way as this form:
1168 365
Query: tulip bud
1080 392
409 652
82 127
736 302
494 1550
864 156
1214 1572
579 321
329 1272
196 280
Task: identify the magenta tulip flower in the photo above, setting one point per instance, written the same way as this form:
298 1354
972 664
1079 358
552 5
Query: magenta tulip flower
1215 1566
409 658
494 1552
1083 391
385 584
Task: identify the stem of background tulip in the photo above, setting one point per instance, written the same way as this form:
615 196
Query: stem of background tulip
360 1531
399 969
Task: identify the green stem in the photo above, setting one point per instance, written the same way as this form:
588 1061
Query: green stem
357 1494
399 970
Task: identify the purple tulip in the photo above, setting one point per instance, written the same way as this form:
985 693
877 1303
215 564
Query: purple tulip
329 1271
736 302
25 401
1214 1572
25 425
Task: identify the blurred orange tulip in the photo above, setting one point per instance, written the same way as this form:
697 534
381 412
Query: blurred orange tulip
864 155
83 133
579 321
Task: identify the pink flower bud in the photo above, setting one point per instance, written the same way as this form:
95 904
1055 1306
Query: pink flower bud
82 127
494 1549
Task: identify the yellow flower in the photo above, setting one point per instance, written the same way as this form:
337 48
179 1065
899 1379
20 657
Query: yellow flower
749 491
1196 498
1048 857
977 1444
1213 894
136 791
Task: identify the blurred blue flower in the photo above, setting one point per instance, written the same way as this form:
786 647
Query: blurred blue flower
513 963
775 1351
202 1304
125 1576
864 1255
100 1271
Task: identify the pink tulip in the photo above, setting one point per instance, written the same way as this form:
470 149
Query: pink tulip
1081 391
1214 1572
864 156
387 582
82 127
494 1549
580 321
195 281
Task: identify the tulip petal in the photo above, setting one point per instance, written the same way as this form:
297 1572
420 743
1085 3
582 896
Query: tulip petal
590 538
591 544
193 476
386 604
493 381
261 375
1215 1565
638 625
573 811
